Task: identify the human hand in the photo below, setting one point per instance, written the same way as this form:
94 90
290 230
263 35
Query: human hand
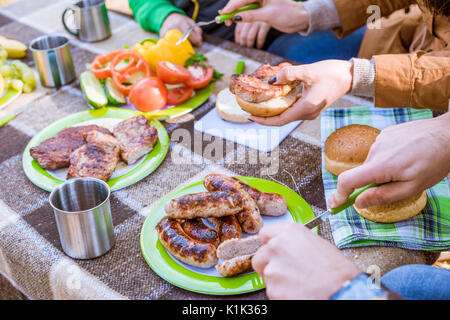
285 15
323 83
410 158
249 34
182 23
295 263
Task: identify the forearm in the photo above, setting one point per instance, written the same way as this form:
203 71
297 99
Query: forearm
416 80
354 14
322 14
150 14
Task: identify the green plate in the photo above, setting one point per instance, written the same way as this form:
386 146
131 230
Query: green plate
9 96
207 281
43 179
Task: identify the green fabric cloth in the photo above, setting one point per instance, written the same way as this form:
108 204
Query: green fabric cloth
151 14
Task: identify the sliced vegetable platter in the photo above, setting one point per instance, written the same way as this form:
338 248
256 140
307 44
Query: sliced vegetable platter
158 77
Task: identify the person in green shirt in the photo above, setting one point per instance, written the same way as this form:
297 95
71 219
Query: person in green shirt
159 16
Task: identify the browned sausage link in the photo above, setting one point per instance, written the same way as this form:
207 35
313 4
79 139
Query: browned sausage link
204 205
269 204
184 248
229 228
249 218
197 230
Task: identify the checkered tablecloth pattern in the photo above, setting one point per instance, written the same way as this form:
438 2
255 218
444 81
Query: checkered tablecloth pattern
32 263
429 230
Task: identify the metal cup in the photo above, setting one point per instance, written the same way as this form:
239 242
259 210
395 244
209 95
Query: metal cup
91 20
53 61
83 217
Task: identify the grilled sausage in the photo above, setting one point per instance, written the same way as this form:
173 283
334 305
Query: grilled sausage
204 205
197 230
249 218
235 266
229 228
238 247
269 204
183 247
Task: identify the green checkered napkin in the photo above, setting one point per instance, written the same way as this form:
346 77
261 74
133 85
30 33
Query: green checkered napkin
429 230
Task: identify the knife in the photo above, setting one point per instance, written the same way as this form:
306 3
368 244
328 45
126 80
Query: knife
351 200
218 19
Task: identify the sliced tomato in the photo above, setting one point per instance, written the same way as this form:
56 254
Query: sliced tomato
172 73
127 68
149 94
200 76
179 95
100 66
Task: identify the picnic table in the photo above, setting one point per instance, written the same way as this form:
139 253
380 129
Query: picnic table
32 263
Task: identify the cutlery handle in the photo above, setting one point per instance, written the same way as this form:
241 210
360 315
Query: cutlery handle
228 16
352 198
6 118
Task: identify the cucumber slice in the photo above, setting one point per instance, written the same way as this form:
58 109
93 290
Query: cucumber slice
115 97
93 90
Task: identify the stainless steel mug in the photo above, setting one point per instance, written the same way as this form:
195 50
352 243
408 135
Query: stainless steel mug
53 61
91 20
83 217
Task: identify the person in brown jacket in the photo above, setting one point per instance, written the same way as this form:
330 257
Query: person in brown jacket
403 62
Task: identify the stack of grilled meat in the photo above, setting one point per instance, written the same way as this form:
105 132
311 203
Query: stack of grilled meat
230 206
94 151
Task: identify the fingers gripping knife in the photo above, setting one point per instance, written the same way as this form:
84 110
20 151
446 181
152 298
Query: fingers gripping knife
351 200
219 19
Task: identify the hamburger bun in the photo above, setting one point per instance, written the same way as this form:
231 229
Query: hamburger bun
228 109
347 147
396 211
271 107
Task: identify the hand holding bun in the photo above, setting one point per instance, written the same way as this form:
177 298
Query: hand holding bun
408 158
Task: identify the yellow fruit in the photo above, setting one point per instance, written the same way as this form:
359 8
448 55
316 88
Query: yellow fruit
2 86
15 49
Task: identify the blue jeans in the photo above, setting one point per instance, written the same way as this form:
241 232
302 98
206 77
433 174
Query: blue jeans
319 45
419 282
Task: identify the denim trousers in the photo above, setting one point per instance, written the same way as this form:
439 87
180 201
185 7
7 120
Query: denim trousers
319 45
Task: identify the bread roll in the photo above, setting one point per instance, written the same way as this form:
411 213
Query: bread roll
347 147
396 211
228 109
272 107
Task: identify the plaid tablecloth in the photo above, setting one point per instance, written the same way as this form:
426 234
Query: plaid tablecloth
32 264
427 231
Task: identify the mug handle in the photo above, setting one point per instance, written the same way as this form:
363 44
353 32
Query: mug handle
72 32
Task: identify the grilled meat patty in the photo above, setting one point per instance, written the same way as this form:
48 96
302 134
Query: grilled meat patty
255 87
136 138
54 153
98 158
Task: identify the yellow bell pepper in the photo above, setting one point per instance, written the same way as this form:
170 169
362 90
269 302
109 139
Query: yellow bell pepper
165 49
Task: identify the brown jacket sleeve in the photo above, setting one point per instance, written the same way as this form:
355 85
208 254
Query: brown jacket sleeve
353 13
416 80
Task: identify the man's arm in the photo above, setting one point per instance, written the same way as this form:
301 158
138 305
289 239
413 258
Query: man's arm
150 14
353 14
415 80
